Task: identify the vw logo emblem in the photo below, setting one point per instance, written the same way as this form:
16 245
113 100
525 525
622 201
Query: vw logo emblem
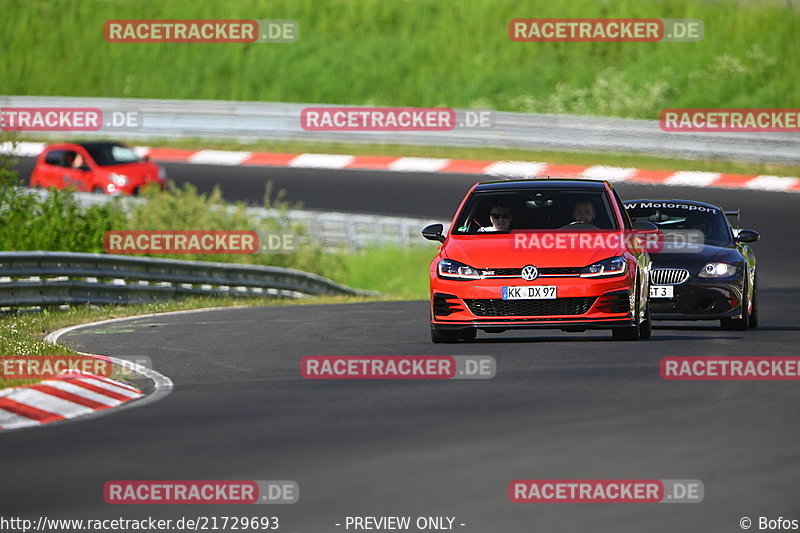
530 273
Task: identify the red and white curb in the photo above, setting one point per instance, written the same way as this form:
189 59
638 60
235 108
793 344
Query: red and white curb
499 169
65 396
71 396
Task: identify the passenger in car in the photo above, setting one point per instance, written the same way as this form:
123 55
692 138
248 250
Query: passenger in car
584 212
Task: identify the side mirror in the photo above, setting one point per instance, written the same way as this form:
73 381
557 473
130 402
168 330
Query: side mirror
643 225
433 232
146 158
747 235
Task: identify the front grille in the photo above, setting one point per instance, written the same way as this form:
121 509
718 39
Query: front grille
668 276
557 306
517 272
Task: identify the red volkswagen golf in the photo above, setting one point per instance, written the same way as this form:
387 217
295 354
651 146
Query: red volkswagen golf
103 167
540 253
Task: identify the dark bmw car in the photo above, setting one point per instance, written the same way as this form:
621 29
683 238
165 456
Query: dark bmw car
703 269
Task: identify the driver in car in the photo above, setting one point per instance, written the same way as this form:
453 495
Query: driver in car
698 222
500 217
78 162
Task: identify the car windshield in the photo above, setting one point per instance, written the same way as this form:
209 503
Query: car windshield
111 154
535 209
709 220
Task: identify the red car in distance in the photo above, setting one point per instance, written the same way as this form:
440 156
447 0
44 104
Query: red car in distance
540 253
101 167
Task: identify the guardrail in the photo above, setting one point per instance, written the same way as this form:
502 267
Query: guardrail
214 119
354 231
331 229
39 279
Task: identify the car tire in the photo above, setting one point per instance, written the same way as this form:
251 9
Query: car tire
439 336
641 330
753 320
737 324
646 327
469 335
98 190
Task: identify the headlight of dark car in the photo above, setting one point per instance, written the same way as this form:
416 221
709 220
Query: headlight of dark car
717 270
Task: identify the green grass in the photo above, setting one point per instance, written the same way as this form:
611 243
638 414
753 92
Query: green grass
401 273
419 53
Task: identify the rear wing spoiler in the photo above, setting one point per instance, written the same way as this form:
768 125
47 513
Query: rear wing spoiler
734 213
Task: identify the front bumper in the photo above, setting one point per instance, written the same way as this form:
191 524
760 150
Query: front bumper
582 303
132 187
701 299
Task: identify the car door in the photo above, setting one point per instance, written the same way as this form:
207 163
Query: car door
71 177
48 172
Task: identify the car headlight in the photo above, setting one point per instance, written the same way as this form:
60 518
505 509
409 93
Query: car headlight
162 173
613 266
717 270
449 269
120 180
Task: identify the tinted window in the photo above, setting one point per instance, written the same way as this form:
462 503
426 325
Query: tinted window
536 209
710 221
55 157
111 154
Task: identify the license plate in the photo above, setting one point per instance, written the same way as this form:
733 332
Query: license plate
538 292
661 291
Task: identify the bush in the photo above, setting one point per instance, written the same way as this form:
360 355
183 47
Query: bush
186 209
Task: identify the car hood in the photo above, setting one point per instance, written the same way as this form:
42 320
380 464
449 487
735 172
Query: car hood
504 251
700 253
